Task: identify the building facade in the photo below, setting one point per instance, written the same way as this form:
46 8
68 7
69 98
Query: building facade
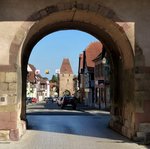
86 72
102 82
36 84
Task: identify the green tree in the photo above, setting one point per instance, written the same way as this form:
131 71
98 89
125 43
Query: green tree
54 79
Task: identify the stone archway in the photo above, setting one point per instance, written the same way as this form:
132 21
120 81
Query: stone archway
120 51
66 93
98 24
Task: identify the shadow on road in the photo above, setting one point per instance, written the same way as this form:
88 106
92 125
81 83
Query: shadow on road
84 121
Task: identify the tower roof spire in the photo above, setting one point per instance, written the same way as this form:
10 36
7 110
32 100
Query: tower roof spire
66 67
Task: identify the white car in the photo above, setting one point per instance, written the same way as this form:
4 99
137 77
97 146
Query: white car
59 101
54 99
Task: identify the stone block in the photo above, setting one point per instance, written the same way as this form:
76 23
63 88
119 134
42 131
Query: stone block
5 125
14 116
142 69
14 134
142 95
11 100
9 108
2 77
144 127
4 135
12 86
140 134
147 138
11 77
22 128
5 116
4 86
142 76
142 85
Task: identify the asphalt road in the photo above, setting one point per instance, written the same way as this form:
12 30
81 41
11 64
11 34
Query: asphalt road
52 128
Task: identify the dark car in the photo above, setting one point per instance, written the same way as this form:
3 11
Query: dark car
47 99
68 100
28 100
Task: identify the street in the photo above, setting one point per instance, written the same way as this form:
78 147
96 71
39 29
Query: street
52 127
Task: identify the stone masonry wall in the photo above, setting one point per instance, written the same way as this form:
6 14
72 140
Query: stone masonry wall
142 103
11 127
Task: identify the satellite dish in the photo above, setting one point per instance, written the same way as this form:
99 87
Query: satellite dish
57 71
37 72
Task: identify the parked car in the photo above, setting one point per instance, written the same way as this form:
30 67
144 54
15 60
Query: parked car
47 99
34 100
54 99
59 101
68 100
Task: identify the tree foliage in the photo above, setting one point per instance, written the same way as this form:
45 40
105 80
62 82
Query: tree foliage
54 79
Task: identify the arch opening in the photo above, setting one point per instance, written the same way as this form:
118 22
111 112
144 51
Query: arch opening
117 46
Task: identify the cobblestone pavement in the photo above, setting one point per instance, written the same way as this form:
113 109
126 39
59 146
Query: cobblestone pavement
82 130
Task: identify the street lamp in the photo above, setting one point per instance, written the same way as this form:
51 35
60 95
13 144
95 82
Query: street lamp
48 88
57 71
37 72
104 61
48 84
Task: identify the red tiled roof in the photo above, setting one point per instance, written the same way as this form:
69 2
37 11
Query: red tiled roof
92 51
31 74
32 67
66 67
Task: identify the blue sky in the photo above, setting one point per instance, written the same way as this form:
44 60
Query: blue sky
49 52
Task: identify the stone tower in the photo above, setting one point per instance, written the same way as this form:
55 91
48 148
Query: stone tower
66 78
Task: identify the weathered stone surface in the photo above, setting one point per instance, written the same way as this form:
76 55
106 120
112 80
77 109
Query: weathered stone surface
127 124
12 99
14 134
142 85
2 76
4 135
144 127
145 76
7 125
9 108
12 86
142 95
5 116
4 86
142 118
14 116
140 134
147 138
11 77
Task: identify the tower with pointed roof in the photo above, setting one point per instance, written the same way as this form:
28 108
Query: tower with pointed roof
66 85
